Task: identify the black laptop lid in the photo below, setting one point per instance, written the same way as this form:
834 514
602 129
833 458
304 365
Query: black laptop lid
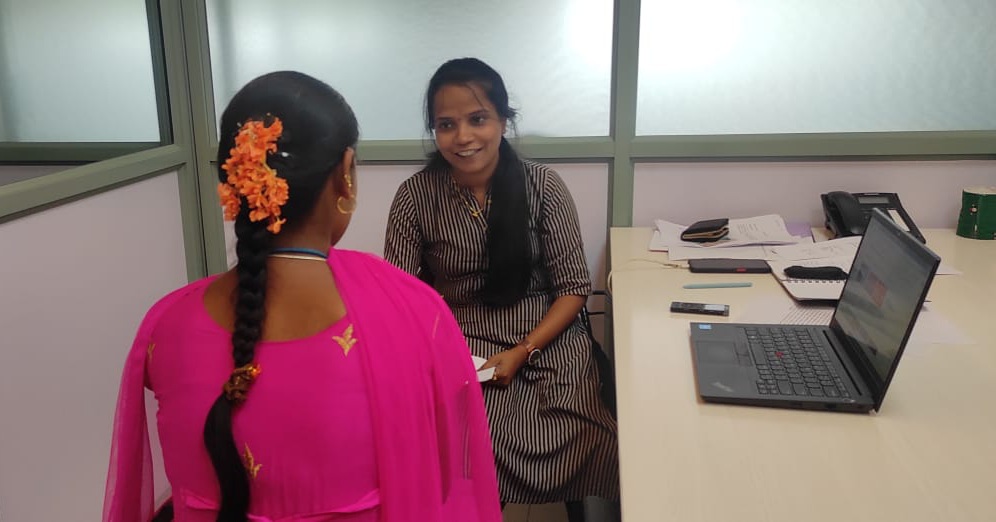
878 307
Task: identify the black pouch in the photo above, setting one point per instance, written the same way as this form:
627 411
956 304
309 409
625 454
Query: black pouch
705 231
824 273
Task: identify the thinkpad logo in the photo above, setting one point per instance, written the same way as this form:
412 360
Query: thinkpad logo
723 387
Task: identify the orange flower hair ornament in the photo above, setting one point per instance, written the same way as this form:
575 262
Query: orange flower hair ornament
251 178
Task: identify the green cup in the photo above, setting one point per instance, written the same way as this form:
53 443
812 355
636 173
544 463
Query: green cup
978 213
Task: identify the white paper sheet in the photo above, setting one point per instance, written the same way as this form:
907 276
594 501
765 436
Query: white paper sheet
932 327
773 310
665 235
482 375
821 235
760 230
657 242
946 269
843 247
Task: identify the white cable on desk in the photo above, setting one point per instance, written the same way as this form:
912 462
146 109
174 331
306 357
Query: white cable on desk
665 264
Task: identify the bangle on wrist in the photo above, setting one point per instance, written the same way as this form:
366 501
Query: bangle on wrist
532 351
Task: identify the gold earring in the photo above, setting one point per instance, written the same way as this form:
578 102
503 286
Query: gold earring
346 205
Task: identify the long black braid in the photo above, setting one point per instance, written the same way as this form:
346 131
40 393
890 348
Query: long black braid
254 244
318 127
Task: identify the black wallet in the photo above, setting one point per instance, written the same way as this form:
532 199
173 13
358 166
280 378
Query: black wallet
705 231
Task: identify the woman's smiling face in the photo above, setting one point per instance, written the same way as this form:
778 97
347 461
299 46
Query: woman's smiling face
467 130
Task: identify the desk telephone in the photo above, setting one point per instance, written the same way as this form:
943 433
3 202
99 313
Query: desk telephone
847 214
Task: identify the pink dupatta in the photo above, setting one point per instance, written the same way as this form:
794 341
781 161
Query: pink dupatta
435 461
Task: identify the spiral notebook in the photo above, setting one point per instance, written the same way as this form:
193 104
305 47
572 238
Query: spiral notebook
811 289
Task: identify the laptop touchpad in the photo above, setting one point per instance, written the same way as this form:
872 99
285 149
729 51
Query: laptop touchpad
716 352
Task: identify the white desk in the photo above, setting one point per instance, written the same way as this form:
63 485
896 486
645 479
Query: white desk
928 455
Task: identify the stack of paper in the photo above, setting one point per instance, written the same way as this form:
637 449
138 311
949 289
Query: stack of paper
843 247
836 252
749 238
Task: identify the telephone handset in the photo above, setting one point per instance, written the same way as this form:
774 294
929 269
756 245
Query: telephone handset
847 214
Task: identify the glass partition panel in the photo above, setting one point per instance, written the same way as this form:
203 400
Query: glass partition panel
76 71
554 55
776 66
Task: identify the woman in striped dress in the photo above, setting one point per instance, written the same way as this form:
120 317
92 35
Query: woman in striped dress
499 238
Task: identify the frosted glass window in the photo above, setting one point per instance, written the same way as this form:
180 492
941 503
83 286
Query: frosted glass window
555 55
76 71
777 66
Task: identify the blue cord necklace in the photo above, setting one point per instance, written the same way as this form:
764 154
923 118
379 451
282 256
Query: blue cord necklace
299 253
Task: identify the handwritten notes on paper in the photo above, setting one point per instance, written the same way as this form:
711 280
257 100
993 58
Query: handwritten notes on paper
749 238
761 230
835 248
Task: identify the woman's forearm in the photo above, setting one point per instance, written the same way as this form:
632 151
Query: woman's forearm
561 314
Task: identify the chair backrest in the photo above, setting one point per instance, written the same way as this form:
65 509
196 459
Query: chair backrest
586 322
606 371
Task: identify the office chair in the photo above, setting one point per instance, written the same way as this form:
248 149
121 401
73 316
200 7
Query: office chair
606 371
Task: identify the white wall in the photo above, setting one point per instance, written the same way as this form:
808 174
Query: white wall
376 186
687 192
75 281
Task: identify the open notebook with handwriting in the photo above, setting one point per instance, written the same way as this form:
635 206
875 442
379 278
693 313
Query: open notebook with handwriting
811 289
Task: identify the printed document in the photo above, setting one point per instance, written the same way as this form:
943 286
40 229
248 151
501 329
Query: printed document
760 230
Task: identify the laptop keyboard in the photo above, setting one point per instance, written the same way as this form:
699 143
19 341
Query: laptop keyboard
790 362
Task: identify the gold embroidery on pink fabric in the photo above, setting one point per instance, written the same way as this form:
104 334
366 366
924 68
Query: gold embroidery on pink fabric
346 341
251 465
152 346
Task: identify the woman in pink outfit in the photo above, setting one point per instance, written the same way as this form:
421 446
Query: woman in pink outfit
308 383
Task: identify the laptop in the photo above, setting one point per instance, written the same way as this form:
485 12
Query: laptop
846 366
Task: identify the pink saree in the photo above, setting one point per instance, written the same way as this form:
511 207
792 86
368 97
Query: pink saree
434 460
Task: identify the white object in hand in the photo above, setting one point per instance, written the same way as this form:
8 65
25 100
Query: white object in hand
482 375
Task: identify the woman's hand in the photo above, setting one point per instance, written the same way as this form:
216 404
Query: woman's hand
506 364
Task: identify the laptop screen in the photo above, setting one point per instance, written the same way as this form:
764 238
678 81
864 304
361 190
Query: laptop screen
881 299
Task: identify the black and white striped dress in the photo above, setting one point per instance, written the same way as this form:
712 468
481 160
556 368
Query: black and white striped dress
554 440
